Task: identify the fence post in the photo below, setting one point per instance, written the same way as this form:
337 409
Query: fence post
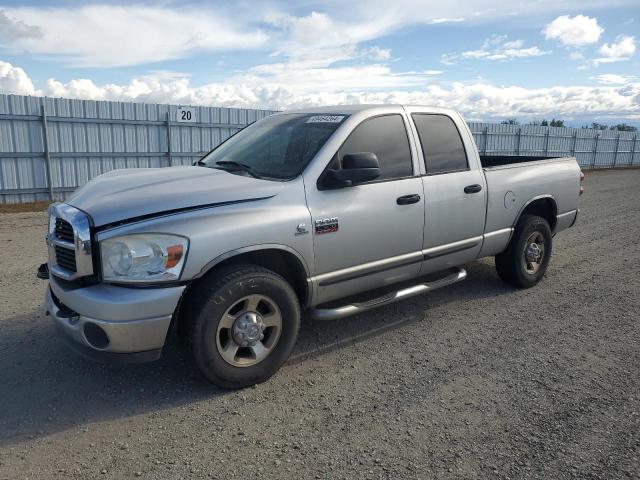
575 141
169 153
486 136
633 148
546 143
47 156
595 150
615 152
518 135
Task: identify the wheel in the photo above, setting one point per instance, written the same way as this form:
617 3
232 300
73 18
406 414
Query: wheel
525 260
242 323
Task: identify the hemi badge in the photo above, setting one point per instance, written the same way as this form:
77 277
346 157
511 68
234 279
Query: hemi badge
326 225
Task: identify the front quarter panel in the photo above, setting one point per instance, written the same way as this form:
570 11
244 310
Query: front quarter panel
220 232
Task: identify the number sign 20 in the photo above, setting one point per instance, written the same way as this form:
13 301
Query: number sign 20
186 114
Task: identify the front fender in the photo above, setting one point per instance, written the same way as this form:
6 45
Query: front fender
254 248
216 234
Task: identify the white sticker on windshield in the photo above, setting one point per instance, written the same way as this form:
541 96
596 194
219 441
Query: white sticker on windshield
325 119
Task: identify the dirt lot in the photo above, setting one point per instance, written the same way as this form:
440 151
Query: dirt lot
23 207
478 380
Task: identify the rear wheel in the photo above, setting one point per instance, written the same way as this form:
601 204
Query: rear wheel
525 261
242 325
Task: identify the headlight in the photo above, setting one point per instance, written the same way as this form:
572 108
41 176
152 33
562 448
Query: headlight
143 258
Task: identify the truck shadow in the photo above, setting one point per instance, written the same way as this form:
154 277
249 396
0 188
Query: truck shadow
46 388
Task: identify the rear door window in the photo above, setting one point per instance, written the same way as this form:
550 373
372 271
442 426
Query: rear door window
442 146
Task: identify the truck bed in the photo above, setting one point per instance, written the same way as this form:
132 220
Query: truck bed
489 161
512 184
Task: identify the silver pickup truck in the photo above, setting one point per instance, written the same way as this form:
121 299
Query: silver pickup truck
330 211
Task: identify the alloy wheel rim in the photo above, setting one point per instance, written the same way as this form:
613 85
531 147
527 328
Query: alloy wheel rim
249 330
534 253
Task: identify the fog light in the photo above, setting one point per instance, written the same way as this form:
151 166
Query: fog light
95 335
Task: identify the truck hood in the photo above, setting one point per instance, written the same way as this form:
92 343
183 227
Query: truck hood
139 192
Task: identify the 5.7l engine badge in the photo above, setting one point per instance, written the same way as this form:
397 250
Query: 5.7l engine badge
326 225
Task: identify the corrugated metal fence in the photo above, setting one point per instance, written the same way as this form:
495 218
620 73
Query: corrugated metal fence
592 148
49 147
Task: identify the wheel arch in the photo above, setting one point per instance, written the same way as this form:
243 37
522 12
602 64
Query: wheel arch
282 259
544 206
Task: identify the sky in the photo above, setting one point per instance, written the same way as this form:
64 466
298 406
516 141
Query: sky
491 59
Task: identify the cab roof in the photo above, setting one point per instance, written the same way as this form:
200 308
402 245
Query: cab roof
351 109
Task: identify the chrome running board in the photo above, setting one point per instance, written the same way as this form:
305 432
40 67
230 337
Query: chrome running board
359 307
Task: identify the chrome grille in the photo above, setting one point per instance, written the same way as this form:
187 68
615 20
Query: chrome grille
66 258
69 242
64 230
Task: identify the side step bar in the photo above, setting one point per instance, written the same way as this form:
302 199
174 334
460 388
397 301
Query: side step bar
354 308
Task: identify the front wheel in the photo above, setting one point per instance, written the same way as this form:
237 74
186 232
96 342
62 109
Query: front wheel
525 261
243 324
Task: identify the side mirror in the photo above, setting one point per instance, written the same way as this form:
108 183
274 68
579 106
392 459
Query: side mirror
356 168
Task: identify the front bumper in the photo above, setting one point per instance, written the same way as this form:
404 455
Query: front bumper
112 322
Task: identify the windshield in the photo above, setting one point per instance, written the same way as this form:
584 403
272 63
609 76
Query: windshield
279 146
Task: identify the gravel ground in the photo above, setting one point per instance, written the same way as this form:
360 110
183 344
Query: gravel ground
475 381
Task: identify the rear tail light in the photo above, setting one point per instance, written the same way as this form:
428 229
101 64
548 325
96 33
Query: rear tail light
581 183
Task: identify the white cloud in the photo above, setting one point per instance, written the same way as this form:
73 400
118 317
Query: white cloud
111 35
574 31
346 23
378 54
437 21
270 89
513 44
318 37
623 49
495 47
311 31
400 13
100 34
509 53
300 77
614 79
11 29
15 80
305 51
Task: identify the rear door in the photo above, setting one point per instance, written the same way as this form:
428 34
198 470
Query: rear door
369 235
454 188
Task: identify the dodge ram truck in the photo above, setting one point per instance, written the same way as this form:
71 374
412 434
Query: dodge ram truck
329 211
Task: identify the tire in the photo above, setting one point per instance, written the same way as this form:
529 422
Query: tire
513 265
234 297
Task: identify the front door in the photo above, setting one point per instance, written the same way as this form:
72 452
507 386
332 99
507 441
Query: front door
369 235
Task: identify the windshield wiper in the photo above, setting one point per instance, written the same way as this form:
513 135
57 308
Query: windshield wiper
224 164
200 163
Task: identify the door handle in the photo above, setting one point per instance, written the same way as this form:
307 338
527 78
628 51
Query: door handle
408 199
472 188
